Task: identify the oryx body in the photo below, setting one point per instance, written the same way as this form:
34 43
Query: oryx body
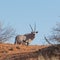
26 38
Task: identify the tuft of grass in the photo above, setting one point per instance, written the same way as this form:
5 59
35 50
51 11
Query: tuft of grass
17 47
3 51
11 49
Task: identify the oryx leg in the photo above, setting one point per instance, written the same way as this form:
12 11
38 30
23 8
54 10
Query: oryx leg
24 42
15 42
27 43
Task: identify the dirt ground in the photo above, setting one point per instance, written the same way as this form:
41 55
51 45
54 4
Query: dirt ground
10 49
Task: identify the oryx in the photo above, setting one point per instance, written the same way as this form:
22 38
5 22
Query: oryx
26 38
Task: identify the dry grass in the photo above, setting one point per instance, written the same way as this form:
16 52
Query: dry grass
11 49
33 52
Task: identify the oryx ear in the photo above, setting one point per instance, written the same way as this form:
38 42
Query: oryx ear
35 27
31 27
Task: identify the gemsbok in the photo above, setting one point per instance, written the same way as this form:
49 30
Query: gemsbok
26 38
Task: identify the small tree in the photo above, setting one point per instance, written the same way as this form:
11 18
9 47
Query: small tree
55 37
5 33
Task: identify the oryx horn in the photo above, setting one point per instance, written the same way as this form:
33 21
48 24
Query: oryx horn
31 27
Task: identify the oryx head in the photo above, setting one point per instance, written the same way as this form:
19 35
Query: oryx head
33 31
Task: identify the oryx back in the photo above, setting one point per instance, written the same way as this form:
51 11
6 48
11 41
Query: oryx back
19 39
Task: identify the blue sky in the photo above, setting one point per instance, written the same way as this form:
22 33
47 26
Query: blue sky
20 13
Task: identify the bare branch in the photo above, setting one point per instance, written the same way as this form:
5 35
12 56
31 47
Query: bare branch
55 37
6 33
47 40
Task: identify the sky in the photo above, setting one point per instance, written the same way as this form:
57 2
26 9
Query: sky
20 13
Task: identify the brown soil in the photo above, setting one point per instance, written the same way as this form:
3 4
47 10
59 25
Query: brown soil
10 49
